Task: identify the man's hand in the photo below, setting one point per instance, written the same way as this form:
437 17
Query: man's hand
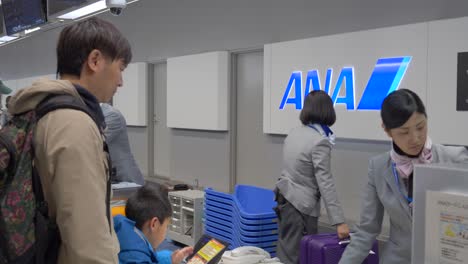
342 230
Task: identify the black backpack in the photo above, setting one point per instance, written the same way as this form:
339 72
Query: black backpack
27 235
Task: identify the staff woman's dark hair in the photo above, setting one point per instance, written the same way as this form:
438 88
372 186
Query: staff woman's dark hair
399 106
318 108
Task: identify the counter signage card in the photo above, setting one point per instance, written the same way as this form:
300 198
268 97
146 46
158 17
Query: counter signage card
446 228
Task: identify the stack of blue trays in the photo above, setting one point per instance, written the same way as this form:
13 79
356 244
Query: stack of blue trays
245 218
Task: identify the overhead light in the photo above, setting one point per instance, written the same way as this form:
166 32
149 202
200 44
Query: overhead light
7 38
86 10
27 31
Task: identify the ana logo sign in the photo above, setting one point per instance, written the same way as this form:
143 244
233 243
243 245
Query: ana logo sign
385 78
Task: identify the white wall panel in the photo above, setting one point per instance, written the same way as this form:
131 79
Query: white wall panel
197 91
131 99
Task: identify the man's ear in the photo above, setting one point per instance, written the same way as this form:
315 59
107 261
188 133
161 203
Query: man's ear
94 60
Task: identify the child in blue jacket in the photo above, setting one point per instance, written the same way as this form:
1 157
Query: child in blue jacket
148 214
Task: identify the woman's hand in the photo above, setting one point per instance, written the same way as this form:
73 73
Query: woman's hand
180 254
342 230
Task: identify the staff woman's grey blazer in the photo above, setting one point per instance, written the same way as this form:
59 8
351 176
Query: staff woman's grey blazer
306 176
382 194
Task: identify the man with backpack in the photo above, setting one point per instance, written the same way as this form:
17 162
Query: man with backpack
69 152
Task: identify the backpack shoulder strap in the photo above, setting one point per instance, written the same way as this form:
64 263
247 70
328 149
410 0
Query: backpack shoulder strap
64 101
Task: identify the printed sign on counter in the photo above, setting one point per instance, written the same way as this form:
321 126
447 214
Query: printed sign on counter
446 228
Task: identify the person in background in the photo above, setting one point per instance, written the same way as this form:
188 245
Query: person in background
126 168
4 90
69 146
306 178
390 185
148 214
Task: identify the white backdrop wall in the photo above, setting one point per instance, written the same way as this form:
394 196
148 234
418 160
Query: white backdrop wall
446 39
432 73
358 51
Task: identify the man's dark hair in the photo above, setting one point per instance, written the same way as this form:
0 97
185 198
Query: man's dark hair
149 201
76 42
399 106
318 109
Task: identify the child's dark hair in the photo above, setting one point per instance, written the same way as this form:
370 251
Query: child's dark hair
399 106
149 201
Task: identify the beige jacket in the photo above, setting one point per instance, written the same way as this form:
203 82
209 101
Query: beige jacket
73 170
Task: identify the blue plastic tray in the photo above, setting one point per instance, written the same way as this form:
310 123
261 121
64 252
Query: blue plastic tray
251 202
216 217
255 201
261 236
232 208
251 240
234 225
236 243
228 214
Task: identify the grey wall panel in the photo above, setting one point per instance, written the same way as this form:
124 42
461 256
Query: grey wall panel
350 160
258 155
201 156
139 145
162 134
187 155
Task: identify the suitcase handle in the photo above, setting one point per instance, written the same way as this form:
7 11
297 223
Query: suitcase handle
344 242
347 241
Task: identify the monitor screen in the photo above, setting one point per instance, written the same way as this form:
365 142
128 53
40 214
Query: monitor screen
462 82
208 250
56 7
20 15
1 22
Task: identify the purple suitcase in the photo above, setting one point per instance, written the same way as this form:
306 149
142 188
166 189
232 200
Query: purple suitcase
327 249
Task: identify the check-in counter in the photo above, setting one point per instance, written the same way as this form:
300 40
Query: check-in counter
120 194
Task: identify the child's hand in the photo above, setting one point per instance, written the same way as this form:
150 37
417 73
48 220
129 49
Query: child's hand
180 254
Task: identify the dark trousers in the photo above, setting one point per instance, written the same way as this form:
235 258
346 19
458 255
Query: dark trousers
292 226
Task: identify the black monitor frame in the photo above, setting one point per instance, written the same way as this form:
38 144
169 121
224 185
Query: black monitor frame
462 81
57 8
13 27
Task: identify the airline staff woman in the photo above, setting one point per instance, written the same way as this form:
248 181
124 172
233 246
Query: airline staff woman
390 184
306 177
